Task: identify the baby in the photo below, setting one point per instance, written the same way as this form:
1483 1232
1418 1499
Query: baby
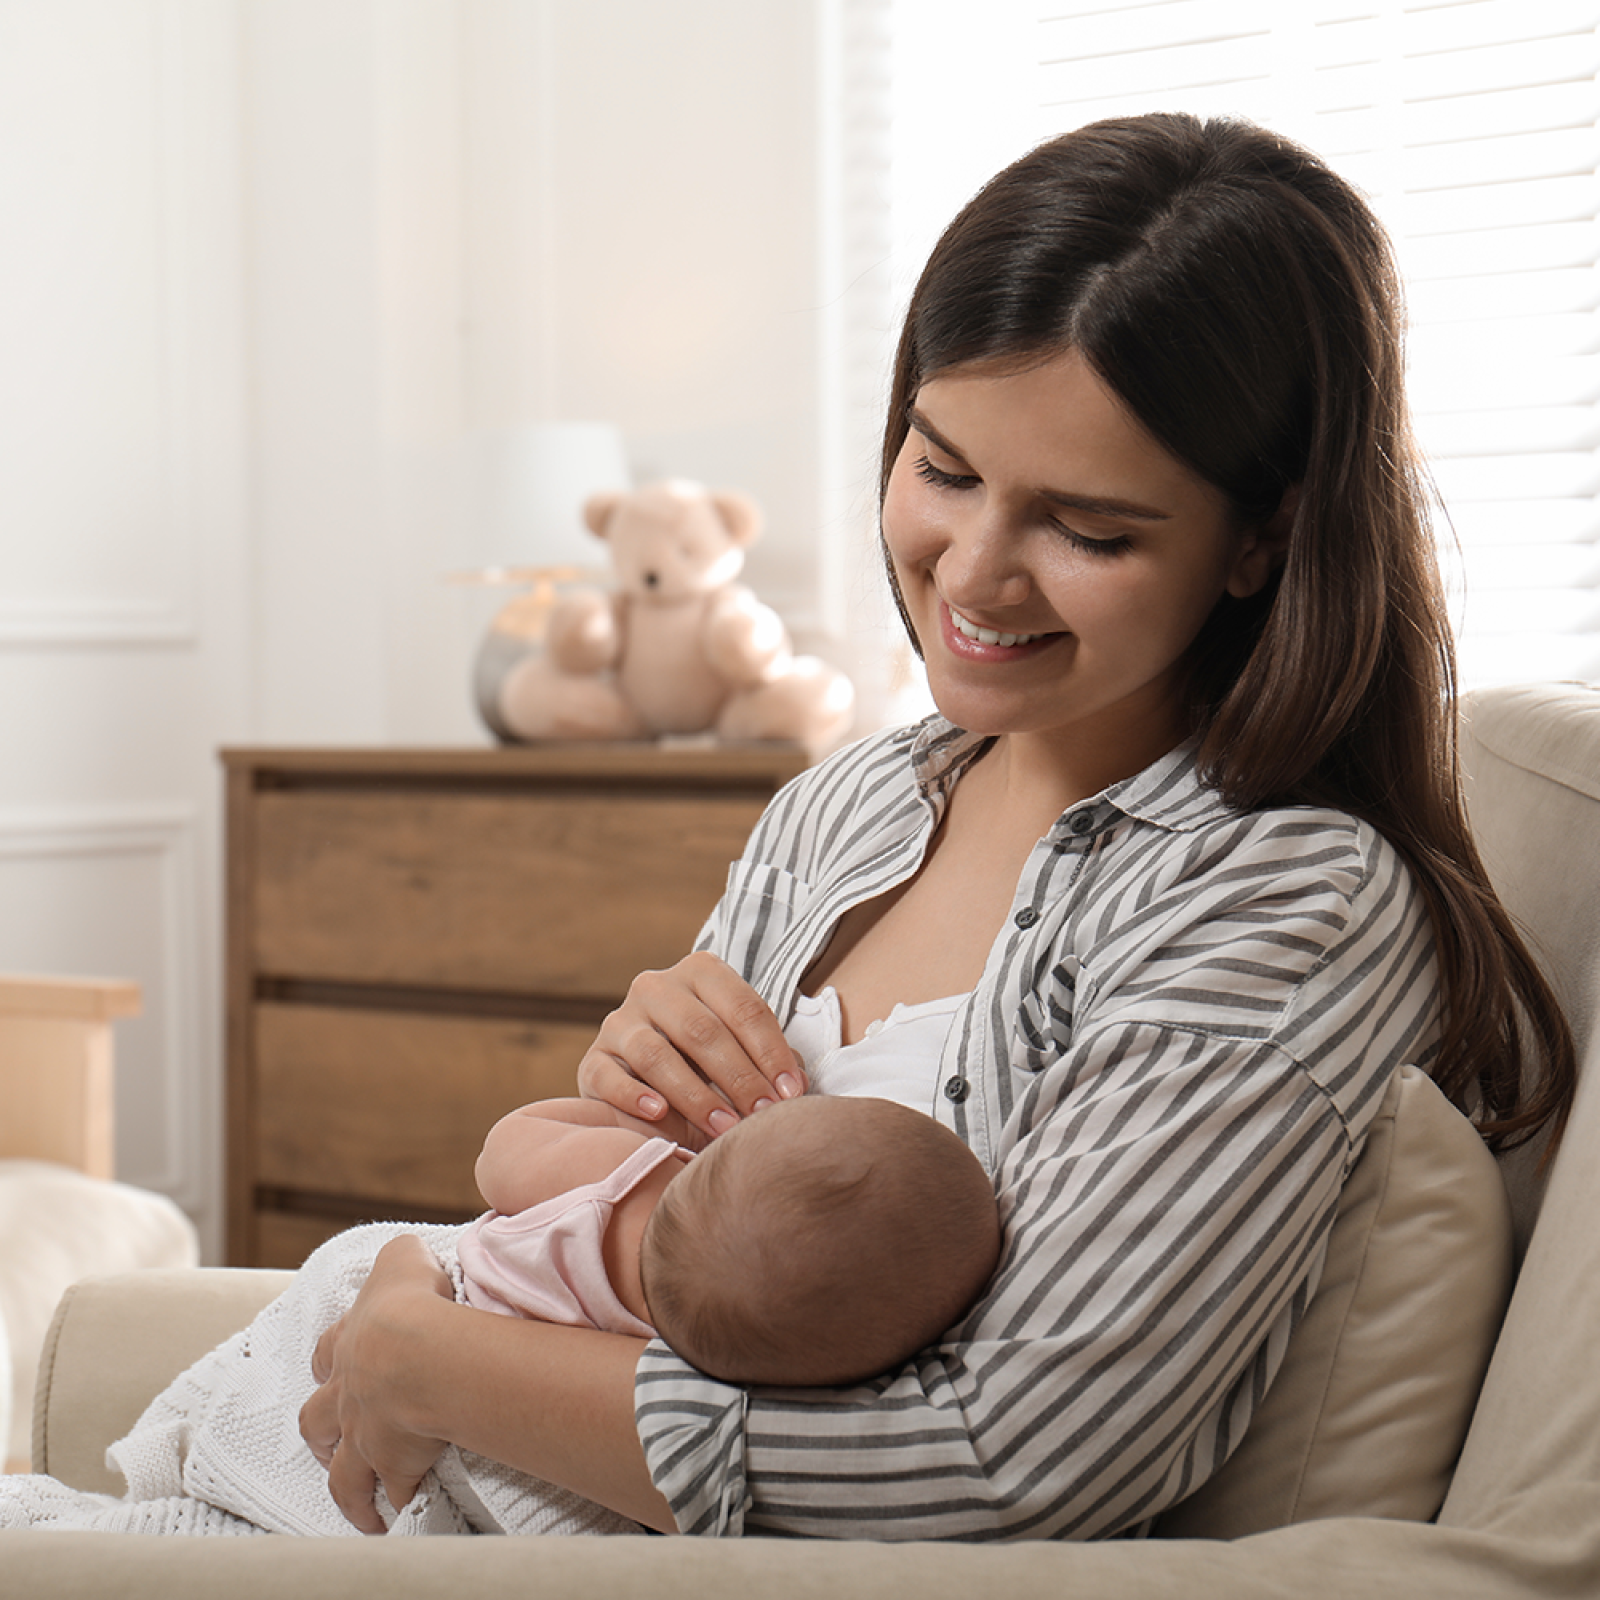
823 1241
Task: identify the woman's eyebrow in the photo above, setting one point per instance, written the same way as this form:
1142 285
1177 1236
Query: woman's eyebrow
920 423
1091 505
1096 506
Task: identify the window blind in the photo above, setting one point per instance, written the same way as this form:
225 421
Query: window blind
1474 128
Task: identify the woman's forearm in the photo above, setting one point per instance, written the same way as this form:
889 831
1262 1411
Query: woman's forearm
552 1401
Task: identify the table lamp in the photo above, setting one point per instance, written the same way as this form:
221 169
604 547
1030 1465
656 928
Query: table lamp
530 486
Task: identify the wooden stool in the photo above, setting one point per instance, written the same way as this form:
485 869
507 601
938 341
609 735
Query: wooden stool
56 1084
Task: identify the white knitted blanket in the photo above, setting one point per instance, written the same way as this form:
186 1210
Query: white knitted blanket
220 1452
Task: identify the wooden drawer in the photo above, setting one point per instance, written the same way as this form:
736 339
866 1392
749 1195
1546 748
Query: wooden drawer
286 1238
421 940
392 1107
567 893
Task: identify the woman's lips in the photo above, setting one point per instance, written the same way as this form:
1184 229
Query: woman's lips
971 639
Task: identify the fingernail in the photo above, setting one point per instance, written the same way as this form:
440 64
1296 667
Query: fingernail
721 1121
763 1103
651 1106
788 1087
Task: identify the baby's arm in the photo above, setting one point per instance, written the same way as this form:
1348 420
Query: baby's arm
546 1148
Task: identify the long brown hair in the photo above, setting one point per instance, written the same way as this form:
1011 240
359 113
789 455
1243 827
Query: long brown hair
1241 300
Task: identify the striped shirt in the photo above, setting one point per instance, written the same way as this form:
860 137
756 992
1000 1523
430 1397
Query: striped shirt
1169 1066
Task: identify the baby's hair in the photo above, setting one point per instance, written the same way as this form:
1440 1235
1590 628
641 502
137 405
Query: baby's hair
824 1240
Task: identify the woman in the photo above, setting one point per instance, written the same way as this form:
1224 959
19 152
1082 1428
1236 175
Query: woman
1180 873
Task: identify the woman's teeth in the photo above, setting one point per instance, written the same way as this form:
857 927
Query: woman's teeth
988 635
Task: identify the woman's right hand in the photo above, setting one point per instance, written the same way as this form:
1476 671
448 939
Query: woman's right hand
691 1051
364 1367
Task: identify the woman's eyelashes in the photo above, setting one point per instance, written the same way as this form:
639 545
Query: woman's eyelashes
941 479
1097 547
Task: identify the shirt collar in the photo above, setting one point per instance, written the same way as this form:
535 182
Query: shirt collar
1168 794
940 753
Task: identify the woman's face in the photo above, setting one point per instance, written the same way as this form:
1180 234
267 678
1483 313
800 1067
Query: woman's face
1055 561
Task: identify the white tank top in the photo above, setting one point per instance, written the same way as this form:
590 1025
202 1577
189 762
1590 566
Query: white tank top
897 1059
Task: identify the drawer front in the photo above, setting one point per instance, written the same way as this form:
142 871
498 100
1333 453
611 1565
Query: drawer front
393 1106
286 1238
566 894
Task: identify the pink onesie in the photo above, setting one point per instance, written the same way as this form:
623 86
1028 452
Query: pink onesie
545 1262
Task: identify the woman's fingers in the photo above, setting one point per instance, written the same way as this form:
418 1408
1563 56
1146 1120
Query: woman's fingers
319 1420
322 1355
354 1487
695 1039
353 1422
737 1041
602 1077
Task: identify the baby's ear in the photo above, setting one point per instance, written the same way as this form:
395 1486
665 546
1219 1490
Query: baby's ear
1264 548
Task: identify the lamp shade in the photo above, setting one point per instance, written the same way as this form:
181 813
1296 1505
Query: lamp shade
532 482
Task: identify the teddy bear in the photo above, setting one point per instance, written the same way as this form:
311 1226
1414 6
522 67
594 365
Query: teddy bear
677 647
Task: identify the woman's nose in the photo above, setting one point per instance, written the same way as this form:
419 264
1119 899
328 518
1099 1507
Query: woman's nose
981 564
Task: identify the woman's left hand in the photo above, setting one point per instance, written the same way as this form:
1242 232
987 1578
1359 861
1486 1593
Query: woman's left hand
361 1423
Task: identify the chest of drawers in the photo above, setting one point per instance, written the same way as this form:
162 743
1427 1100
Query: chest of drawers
419 941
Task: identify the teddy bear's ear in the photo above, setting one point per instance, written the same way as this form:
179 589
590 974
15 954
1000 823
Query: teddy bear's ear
741 516
597 510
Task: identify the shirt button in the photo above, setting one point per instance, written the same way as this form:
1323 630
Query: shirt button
957 1090
873 1029
1026 917
1081 821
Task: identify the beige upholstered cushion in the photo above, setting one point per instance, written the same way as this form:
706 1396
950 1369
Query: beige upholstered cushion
56 1226
1367 1415
6 1400
116 1343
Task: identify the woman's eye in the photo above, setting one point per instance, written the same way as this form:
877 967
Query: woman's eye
1113 546
941 479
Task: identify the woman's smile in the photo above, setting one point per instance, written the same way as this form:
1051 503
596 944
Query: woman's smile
1001 645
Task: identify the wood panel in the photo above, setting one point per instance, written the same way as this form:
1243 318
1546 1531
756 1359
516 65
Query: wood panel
394 1106
554 893
420 940
286 1238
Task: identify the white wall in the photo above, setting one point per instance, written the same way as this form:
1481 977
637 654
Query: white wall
268 265
124 635
466 214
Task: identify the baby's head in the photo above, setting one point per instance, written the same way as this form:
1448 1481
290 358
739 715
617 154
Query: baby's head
822 1241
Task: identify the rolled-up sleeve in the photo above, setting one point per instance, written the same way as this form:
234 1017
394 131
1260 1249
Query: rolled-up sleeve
692 1429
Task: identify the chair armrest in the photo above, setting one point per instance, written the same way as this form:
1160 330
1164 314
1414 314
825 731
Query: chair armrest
117 1341
115 1344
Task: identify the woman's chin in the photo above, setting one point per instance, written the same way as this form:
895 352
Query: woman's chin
995 694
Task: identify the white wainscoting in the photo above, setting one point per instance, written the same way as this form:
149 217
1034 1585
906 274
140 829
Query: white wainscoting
115 892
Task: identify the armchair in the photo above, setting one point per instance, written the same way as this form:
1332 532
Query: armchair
1520 1517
